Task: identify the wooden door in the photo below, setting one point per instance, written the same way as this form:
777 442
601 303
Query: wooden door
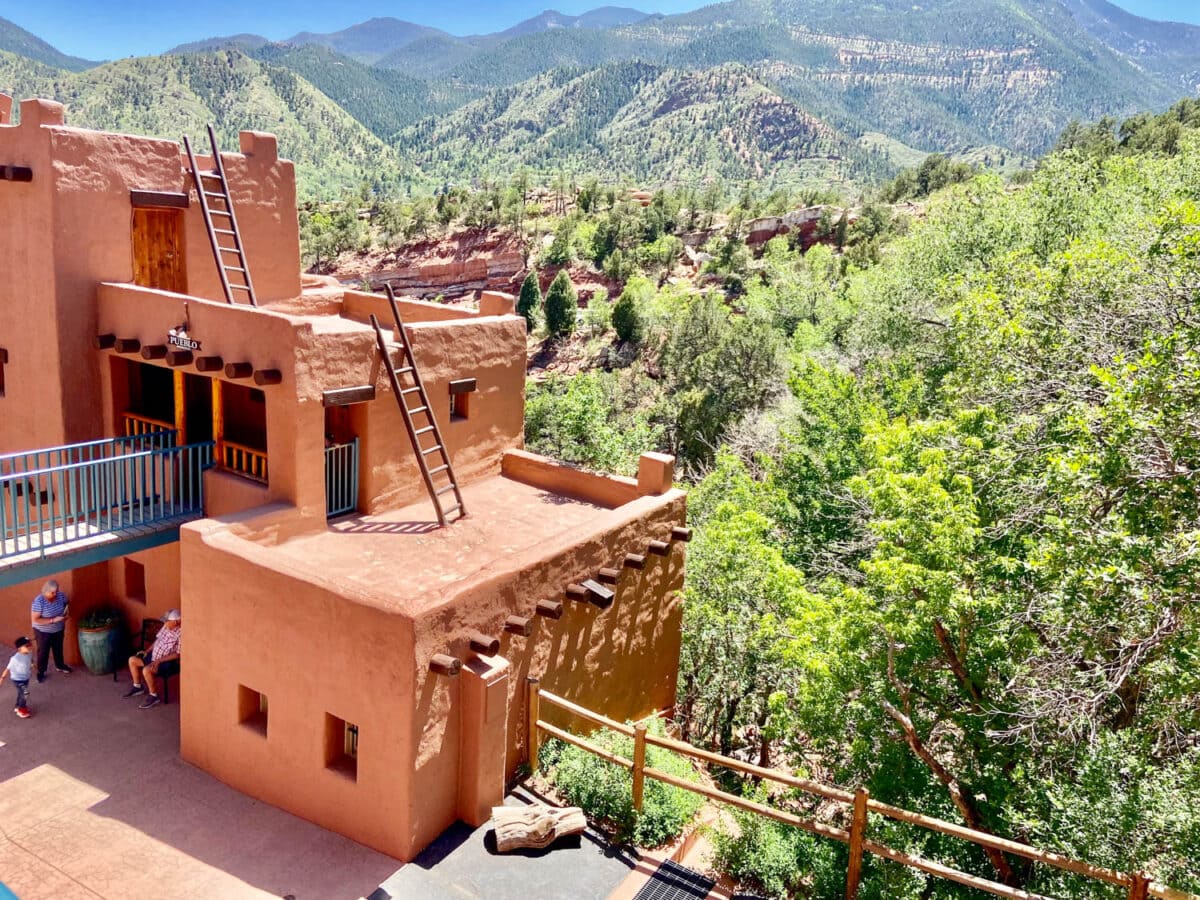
158 249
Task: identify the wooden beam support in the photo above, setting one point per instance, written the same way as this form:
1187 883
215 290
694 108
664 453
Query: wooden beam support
577 592
159 199
127 345
180 406
608 576
550 609
484 644
16 173
679 533
659 548
599 595
347 396
154 351
635 561
179 358
209 364
104 341
462 386
239 370
519 625
264 377
441 664
218 419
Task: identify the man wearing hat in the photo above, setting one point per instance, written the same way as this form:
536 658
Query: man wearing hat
161 659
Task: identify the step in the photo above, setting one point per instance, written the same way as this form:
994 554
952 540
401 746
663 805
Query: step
444 490
235 269
411 390
418 409
424 430
224 231
432 449
439 469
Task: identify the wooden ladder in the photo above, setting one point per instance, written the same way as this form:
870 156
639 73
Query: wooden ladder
238 267
412 415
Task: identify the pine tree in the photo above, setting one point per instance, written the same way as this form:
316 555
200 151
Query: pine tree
561 305
530 299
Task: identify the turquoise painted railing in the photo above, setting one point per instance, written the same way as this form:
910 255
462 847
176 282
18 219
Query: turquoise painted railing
88 451
341 478
52 506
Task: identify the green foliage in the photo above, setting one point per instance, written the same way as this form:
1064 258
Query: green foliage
598 317
530 300
778 860
562 306
596 420
934 174
101 617
605 791
628 316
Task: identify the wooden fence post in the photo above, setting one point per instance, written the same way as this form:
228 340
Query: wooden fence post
858 830
1140 888
639 763
533 740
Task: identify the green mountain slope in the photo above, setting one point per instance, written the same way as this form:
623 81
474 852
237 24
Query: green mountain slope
649 122
15 39
169 96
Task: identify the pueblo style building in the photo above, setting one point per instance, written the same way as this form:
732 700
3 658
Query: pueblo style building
332 489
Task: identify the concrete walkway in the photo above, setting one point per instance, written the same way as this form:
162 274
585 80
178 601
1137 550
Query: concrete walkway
463 864
96 803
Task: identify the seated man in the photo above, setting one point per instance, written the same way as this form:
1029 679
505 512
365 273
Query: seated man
161 659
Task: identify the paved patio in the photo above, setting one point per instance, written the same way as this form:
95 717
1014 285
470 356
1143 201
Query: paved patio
95 802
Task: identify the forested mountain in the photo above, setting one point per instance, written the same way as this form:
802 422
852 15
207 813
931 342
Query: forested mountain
17 40
787 90
172 95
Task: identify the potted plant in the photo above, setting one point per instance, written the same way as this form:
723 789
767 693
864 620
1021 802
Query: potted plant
101 633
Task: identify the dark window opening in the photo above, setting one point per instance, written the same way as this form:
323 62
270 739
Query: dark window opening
252 709
341 746
135 581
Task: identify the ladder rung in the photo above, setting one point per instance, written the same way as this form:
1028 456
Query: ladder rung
220 212
240 287
432 449
451 486
412 390
421 431
234 269
405 369
433 472
418 409
217 194
224 231
208 174
454 508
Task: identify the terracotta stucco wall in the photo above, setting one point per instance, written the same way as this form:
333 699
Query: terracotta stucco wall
622 661
312 650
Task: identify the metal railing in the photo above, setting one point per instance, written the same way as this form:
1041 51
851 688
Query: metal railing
87 451
56 505
137 424
243 460
341 478
856 804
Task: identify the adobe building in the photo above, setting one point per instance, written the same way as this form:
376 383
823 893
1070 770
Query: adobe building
239 452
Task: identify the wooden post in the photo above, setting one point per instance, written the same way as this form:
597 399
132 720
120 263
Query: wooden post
218 423
639 763
180 407
1140 888
533 740
858 831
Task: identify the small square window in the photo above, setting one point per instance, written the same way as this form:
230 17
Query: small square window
460 406
252 709
135 581
3 362
341 746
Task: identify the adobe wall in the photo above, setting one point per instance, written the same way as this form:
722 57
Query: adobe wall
312 651
622 661
32 408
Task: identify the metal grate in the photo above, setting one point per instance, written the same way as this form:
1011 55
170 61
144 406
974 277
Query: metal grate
675 882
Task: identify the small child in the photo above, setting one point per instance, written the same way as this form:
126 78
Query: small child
20 667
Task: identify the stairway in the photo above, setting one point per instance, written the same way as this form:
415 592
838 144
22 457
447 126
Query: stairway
413 416
236 268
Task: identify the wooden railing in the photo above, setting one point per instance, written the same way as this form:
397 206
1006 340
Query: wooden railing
244 460
857 803
136 424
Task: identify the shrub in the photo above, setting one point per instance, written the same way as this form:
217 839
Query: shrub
605 791
627 317
777 859
562 306
530 299
599 313
101 617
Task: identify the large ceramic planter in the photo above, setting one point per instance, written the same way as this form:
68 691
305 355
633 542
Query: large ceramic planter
101 648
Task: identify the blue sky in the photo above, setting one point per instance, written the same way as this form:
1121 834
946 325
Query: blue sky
95 30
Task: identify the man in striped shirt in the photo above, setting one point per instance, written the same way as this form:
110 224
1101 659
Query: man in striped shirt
49 618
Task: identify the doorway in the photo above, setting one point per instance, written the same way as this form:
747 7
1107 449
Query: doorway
158 260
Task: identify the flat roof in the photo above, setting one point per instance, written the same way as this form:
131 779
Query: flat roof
402 561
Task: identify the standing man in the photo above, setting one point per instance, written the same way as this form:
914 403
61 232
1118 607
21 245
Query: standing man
49 620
